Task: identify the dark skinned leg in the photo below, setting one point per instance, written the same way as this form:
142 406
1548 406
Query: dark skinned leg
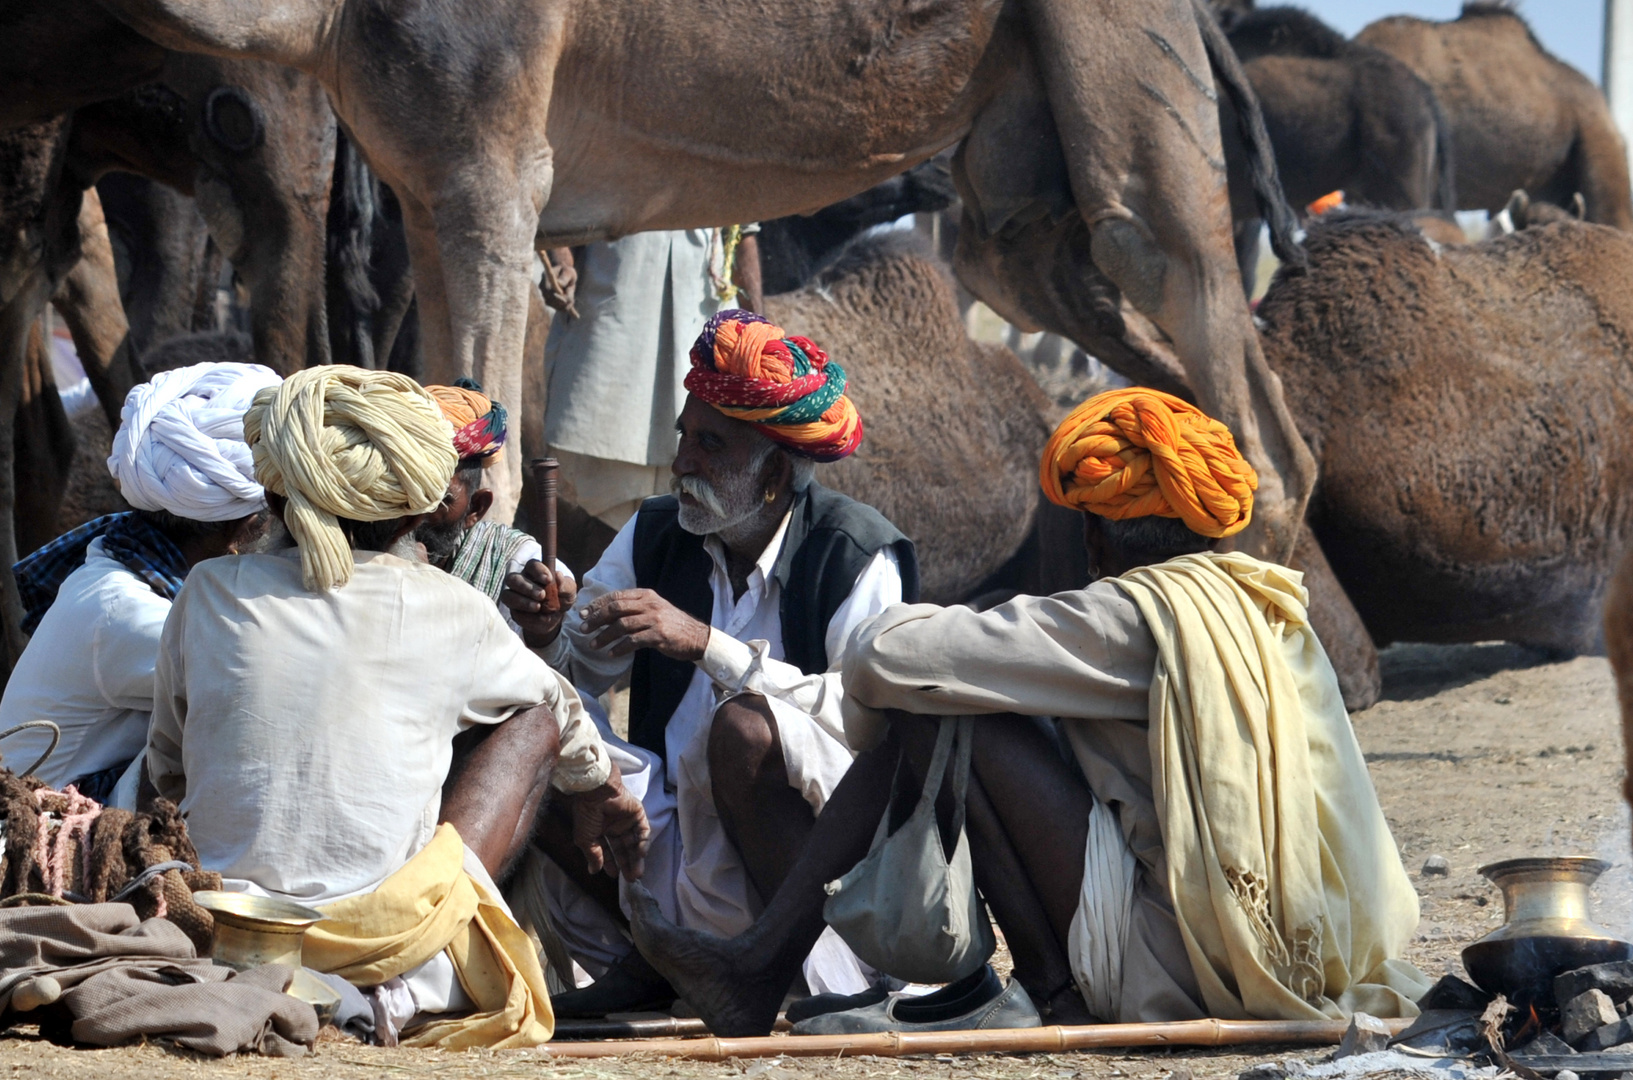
737 985
499 779
1041 961
767 820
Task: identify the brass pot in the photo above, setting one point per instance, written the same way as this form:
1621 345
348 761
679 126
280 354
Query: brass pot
255 930
1546 929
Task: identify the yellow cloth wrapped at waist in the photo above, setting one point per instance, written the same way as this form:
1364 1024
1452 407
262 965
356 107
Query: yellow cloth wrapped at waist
432 905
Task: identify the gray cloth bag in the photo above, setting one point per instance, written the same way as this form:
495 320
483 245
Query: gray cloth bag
907 909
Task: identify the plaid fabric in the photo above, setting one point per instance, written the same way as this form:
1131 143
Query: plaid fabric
485 553
128 538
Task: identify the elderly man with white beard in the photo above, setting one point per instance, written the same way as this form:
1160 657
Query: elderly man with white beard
727 604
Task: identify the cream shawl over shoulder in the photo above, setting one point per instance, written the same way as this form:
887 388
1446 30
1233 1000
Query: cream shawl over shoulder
1286 882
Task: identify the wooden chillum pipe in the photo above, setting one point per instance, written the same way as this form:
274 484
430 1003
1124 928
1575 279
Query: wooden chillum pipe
545 471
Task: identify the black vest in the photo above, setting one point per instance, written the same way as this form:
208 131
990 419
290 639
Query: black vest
830 540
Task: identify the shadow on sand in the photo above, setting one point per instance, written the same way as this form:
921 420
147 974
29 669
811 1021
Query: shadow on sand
1415 672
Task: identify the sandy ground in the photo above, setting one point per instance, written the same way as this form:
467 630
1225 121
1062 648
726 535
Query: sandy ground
1479 753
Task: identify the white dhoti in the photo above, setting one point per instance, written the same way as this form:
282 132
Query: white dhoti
692 868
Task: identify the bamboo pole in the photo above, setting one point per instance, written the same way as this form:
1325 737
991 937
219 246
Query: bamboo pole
1056 1039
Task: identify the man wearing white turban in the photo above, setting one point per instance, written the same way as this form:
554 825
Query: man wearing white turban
96 599
345 725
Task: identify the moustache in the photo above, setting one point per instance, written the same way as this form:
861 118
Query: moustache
701 490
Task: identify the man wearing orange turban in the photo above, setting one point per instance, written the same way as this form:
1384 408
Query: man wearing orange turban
1215 848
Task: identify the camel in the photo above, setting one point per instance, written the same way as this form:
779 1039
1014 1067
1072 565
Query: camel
1342 116
168 268
1471 408
1619 646
1520 118
1088 155
951 462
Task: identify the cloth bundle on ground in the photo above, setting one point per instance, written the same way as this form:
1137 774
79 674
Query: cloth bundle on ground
122 978
432 905
342 442
479 421
61 844
1286 883
1137 452
784 385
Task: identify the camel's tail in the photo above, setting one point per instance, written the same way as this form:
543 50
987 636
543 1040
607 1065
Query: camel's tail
1445 159
1261 158
353 205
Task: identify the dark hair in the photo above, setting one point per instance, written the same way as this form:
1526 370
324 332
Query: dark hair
183 530
1151 539
470 472
370 535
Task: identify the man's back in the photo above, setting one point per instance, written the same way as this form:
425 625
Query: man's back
307 735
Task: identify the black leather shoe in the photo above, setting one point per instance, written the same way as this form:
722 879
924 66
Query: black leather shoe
986 1003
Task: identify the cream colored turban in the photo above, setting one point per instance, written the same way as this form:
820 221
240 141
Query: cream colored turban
345 442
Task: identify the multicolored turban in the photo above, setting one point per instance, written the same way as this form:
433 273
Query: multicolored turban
785 386
1137 452
479 421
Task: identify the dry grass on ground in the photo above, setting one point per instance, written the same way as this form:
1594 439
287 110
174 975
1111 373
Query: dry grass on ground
1478 752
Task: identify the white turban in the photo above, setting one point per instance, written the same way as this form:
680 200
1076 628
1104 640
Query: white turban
344 442
180 445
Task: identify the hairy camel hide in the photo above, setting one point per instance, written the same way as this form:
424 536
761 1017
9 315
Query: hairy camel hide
1090 162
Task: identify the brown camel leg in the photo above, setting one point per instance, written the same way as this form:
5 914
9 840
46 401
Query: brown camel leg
88 301
499 779
767 820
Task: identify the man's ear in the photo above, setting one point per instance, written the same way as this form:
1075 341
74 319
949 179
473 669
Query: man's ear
780 476
481 503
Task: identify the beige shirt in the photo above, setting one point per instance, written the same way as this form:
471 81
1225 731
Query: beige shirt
306 736
1087 657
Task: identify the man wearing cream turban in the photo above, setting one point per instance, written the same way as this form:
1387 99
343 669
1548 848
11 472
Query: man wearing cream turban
313 703
96 598
1215 848
727 605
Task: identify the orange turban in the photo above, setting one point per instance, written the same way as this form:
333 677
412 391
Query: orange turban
1135 452
479 421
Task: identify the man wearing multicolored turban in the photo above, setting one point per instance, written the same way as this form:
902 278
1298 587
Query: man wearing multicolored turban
457 535
727 605
1215 848
308 703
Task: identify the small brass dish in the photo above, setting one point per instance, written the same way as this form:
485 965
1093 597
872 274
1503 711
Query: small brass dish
255 930
1546 930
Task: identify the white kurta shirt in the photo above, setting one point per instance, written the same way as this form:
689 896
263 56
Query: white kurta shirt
306 736
88 669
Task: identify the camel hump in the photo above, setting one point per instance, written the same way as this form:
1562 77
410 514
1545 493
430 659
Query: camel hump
1286 31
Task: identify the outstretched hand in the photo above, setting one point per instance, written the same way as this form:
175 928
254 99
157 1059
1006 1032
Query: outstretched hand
610 828
528 596
633 619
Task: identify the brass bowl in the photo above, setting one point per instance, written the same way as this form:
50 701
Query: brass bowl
1546 929
255 930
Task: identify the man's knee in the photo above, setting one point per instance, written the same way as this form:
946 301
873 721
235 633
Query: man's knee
743 745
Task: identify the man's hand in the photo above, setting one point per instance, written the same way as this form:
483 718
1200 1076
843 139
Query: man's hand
633 619
527 596
610 828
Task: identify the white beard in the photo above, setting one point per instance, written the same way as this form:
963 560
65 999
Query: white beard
737 500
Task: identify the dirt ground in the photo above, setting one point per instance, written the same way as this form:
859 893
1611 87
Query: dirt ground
1479 753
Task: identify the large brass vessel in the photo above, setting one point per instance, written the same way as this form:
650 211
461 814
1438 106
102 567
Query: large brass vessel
1546 930
255 930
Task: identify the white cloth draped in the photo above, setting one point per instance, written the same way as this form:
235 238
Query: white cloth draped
180 445
1099 929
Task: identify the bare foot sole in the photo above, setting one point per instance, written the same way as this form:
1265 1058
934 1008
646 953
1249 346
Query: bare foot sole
714 975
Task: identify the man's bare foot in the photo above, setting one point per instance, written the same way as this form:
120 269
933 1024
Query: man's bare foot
716 976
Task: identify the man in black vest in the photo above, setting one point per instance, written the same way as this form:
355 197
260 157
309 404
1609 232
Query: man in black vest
728 604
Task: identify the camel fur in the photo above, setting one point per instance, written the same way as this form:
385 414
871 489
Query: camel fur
1471 408
1086 133
1520 118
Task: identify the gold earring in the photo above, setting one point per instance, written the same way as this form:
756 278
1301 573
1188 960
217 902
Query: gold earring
771 496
